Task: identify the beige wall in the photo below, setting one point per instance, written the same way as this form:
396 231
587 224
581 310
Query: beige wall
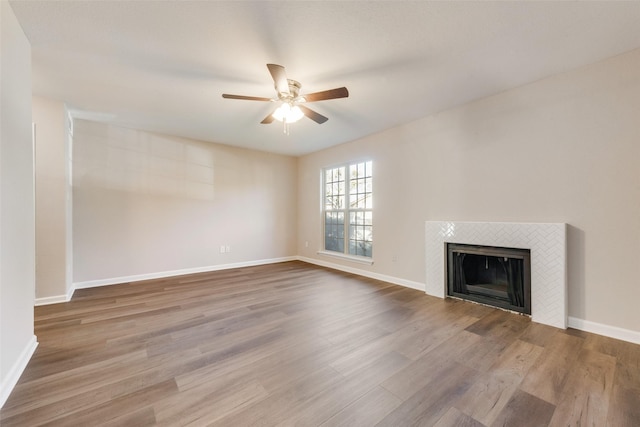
564 149
51 196
145 203
17 236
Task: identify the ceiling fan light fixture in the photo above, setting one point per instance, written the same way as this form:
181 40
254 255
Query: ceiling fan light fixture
287 113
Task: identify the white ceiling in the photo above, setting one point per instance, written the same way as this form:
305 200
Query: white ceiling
162 66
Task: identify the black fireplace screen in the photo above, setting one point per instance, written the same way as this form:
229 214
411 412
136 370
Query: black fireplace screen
491 275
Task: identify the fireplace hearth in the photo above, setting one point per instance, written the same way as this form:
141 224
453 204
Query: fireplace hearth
496 276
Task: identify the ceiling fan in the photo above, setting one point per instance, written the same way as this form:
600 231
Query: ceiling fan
288 94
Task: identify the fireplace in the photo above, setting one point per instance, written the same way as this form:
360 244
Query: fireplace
497 276
546 241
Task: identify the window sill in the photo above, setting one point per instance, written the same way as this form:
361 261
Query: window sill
354 258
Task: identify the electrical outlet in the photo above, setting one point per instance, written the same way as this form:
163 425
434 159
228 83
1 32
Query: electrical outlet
222 249
306 244
228 249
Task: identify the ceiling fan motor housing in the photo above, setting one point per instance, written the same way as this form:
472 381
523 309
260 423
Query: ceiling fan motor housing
294 90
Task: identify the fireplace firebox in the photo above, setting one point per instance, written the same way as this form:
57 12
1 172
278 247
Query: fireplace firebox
491 275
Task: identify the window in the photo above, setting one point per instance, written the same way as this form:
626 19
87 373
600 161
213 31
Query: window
348 209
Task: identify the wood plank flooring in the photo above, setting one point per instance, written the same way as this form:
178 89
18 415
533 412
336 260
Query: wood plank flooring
295 344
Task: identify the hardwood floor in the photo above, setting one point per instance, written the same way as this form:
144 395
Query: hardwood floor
295 344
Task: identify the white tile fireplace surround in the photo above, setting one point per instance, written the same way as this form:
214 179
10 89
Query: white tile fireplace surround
547 243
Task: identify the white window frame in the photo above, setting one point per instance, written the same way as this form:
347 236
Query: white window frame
347 211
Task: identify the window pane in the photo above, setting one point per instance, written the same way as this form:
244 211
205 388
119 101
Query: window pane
334 231
360 186
360 233
352 247
367 233
334 188
368 249
328 205
368 218
353 232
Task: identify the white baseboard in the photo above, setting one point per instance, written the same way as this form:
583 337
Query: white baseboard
8 383
395 280
182 272
606 330
51 300
56 299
